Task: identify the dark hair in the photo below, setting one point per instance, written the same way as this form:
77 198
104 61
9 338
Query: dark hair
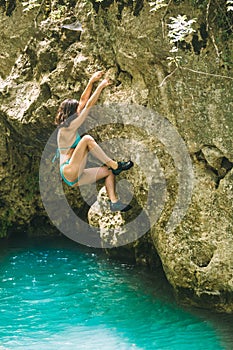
66 109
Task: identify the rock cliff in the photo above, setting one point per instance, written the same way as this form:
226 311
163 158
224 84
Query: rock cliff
43 62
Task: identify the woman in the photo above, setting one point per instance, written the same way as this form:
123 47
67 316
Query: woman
73 149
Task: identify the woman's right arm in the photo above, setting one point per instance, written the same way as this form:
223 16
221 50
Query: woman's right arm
87 92
76 123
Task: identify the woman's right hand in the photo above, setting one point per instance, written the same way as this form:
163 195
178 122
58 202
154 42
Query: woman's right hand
104 83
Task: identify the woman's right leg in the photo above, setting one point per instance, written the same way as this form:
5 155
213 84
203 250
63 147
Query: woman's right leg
79 157
92 175
97 152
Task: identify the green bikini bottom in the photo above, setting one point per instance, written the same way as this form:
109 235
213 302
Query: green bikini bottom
69 183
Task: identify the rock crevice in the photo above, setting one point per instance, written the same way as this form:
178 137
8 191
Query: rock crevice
215 161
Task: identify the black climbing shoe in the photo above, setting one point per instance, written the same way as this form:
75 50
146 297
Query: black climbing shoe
122 166
119 206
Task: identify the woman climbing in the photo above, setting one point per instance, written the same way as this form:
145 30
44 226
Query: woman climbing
73 149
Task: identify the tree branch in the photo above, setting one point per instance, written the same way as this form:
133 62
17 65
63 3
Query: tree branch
167 77
162 20
207 15
205 73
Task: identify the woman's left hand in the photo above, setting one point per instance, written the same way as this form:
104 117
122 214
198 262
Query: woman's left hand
96 76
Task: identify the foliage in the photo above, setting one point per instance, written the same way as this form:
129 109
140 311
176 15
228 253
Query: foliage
56 10
57 13
158 4
215 26
174 60
179 28
30 4
229 5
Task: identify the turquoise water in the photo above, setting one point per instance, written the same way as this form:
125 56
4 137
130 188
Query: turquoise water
58 295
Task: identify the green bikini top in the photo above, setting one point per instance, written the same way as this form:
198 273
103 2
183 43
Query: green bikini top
57 154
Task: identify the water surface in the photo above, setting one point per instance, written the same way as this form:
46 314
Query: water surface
59 295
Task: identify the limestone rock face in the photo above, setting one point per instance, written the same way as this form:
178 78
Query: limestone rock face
124 242
43 63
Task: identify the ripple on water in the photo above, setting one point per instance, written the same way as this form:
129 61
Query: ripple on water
67 297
